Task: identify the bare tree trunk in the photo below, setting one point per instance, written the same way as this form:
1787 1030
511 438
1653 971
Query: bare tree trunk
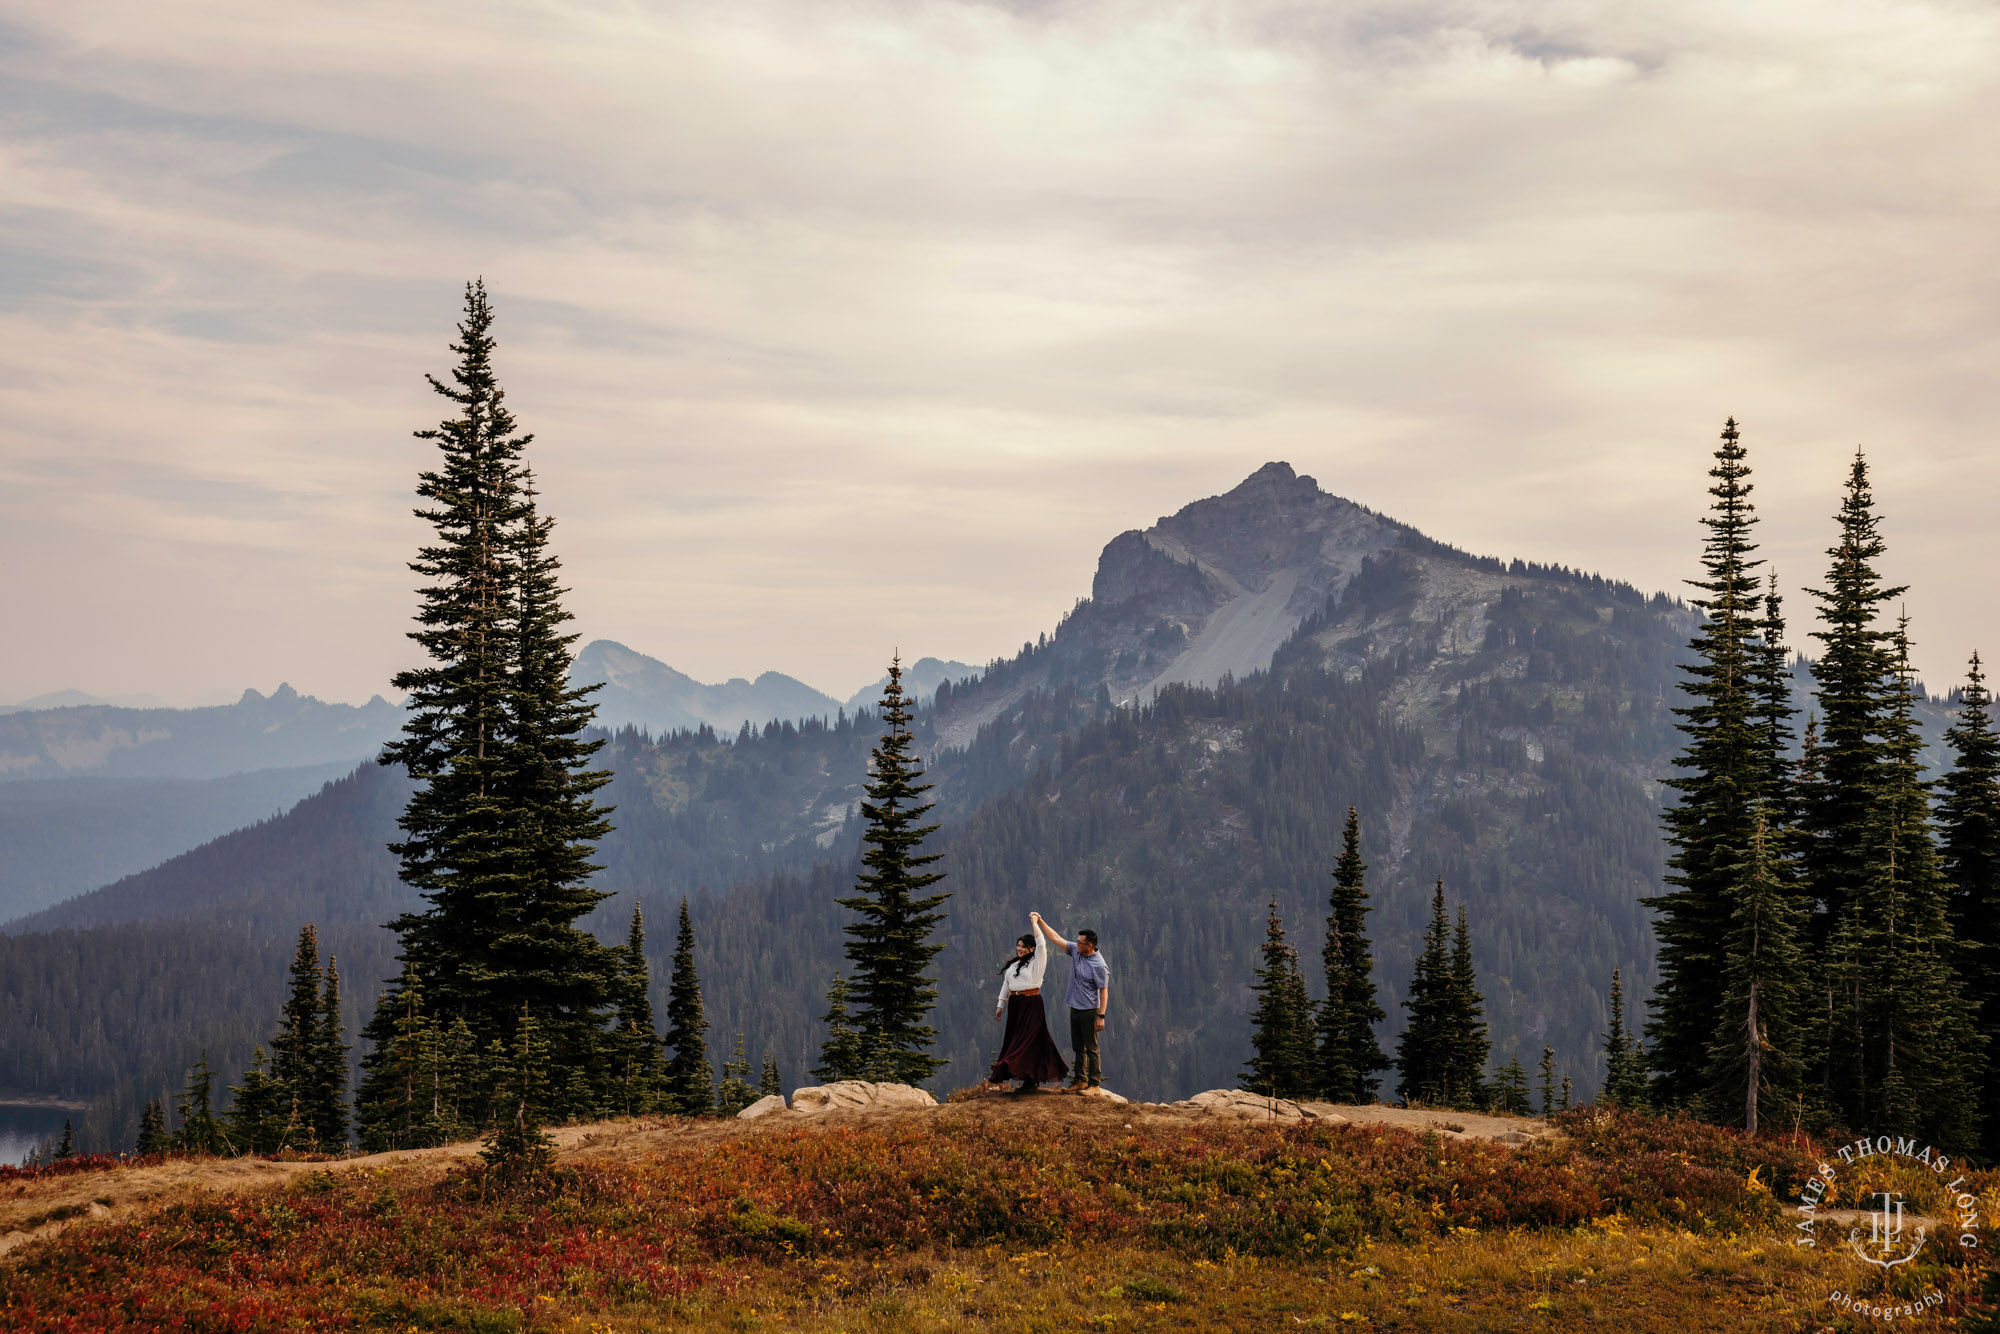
1756 1039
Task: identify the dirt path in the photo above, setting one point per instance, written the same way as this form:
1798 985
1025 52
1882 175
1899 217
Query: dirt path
30 1210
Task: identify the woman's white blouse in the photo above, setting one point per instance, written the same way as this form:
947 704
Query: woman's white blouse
1029 977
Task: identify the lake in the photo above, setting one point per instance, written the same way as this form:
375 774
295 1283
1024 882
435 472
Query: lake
23 1127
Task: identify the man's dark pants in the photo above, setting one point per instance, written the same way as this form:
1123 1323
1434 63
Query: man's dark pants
1083 1042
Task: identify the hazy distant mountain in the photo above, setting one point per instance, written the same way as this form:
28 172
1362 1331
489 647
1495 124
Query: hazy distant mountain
70 699
282 730
61 837
920 681
644 692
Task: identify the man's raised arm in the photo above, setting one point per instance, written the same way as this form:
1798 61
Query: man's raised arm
1050 932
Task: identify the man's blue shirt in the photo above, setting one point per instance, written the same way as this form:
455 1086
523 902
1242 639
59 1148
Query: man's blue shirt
1088 976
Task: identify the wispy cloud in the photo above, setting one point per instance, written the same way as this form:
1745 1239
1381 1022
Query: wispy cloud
853 323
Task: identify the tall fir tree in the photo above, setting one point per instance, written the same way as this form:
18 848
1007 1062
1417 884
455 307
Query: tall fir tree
641 1068
1968 821
689 1083
1547 1081
499 832
889 945
295 1053
1349 1055
1854 680
1470 1042
1915 1059
1624 1065
564 975
840 1052
1755 1064
1442 1054
1724 770
325 1101
1281 1026
770 1082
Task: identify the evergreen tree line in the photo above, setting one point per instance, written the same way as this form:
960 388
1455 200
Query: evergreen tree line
1828 934
1325 1049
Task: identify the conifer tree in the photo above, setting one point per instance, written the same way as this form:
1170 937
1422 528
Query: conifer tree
1470 1044
1725 767
736 1091
518 1151
840 1053
889 947
153 1137
324 1101
199 1131
566 976
259 1110
1915 1053
1854 679
1442 1053
1968 819
459 832
1548 1081
689 1088
400 1099
1281 1026
770 1083
1772 711
1510 1090
295 1048
67 1148
641 1067
1754 1061
498 835
1624 1070
1562 1104
1349 1055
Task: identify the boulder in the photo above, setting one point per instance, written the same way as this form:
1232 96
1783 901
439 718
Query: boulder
858 1095
1240 1105
1105 1094
764 1106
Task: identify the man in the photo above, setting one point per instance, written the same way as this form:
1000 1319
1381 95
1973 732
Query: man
1089 997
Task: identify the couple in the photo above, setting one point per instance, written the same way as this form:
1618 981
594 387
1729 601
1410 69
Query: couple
1027 1053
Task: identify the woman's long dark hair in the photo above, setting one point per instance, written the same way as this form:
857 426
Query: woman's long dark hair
1020 961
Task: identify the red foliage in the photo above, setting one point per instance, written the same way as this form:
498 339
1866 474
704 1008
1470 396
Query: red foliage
340 1251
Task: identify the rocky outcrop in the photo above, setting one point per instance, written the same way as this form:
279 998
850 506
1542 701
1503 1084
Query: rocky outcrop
858 1095
764 1106
1240 1105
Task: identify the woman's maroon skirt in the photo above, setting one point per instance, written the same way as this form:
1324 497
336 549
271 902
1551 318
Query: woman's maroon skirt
1027 1051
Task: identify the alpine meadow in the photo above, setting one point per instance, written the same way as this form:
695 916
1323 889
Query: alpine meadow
999 665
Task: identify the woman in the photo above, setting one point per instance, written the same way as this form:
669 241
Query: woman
1027 1052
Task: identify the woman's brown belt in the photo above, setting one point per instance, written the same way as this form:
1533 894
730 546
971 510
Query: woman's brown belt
1031 991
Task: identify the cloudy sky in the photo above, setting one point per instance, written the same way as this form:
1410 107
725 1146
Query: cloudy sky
847 325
